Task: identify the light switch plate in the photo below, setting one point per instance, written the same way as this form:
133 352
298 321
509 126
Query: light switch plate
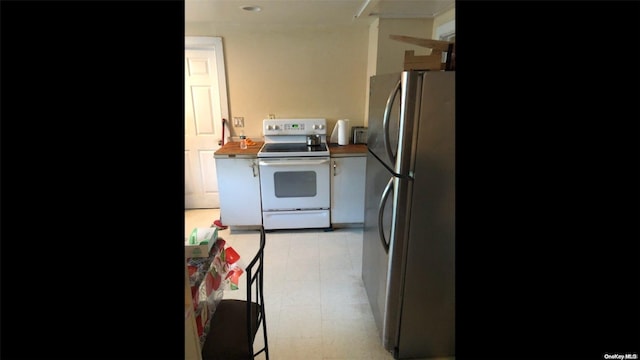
238 121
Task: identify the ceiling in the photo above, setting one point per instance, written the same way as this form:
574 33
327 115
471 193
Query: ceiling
310 12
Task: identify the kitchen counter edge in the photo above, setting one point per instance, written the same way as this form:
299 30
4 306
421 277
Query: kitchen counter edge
347 150
232 150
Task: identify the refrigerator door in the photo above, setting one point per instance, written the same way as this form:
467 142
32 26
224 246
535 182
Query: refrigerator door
378 248
384 117
392 106
376 235
427 329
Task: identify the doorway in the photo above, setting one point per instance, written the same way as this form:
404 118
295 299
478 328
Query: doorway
206 106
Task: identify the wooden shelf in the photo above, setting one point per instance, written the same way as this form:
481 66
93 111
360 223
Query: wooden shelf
427 62
428 43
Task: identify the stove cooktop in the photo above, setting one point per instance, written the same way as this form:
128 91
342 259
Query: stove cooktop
292 149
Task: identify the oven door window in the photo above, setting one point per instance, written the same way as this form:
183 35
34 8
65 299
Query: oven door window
290 184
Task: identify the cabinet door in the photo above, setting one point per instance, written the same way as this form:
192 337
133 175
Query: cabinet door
347 189
239 186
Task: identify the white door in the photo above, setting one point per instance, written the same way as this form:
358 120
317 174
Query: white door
205 106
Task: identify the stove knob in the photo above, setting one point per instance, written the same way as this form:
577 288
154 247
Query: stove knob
269 127
315 127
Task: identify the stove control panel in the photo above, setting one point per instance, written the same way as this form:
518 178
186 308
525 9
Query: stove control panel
294 126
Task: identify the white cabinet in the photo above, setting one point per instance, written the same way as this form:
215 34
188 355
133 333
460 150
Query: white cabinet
347 189
239 186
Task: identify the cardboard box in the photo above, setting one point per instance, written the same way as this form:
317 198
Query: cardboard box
200 242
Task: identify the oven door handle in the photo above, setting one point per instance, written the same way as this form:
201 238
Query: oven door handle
292 162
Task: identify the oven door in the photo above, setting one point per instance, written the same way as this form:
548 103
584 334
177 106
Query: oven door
296 183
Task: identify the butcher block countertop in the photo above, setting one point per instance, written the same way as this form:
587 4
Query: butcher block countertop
232 149
347 150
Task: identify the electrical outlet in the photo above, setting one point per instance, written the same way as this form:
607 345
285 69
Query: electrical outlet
238 121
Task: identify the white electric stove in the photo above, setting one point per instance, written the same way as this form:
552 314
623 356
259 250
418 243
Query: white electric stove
294 177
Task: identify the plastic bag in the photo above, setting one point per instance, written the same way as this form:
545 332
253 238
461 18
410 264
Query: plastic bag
235 270
226 268
224 271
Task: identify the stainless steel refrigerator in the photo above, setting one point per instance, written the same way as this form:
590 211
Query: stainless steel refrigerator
409 229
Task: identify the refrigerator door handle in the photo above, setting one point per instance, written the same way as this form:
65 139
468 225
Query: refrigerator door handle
385 119
383 201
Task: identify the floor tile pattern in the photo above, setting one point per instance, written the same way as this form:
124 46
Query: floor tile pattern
316 305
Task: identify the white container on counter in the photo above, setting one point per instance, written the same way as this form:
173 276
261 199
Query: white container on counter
341 132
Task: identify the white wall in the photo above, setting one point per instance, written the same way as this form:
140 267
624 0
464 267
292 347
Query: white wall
310 71
391 52
293 72
372 63
443 18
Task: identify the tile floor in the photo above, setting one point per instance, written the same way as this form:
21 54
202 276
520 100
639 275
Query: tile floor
316 305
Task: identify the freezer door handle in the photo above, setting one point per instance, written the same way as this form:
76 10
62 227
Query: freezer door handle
385 120
383 201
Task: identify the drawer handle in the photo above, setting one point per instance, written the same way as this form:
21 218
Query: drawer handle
292 162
